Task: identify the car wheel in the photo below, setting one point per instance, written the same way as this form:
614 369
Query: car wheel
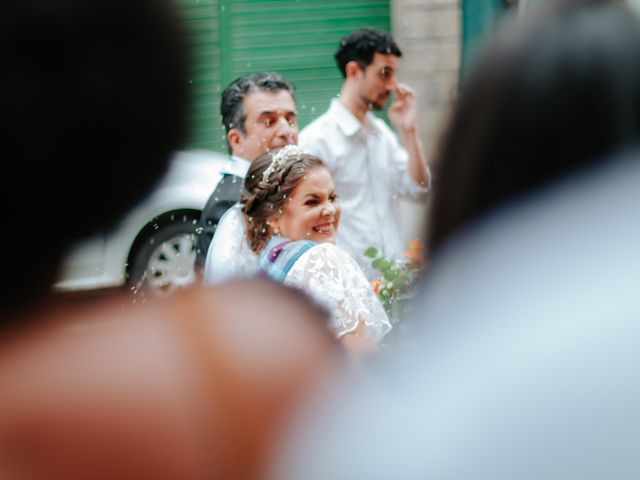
164 260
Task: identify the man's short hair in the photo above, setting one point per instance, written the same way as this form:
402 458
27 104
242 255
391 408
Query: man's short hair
361 45
233 115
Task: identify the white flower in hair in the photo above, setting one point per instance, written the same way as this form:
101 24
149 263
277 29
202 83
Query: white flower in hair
285 154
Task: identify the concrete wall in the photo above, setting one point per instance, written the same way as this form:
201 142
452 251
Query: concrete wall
428 33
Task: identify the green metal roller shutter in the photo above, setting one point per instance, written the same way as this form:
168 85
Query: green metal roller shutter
202 26
296 38
478 17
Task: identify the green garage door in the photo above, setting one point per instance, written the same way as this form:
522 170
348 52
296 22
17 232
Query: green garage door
478 16
202 26
297 38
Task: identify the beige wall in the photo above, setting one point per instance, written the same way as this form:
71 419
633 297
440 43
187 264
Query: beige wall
428 33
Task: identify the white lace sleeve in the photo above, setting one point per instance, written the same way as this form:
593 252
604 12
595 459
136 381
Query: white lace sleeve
336 281
229 254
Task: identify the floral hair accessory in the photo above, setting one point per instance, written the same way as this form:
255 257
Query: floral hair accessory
282 156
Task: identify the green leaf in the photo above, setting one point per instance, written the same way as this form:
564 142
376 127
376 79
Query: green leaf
400 281
386 265
371 252
389 275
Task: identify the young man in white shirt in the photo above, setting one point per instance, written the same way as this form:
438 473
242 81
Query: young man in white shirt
372 168
259 113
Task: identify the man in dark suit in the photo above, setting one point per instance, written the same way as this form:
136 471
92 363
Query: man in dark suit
259 113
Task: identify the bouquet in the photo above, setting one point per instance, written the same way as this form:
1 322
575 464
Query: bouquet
397 276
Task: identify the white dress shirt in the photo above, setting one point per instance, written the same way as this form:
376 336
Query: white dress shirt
236 166
370 171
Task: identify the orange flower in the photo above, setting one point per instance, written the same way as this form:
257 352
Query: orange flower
415 252
376 283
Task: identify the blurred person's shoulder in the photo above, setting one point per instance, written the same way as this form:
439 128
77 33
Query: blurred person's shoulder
144 390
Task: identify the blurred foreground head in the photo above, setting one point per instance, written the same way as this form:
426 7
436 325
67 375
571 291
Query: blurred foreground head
93 97
199 385
549 95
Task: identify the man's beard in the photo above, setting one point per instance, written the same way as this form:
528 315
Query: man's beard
377 105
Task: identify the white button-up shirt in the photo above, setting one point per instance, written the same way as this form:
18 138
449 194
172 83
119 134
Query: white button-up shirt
236 166
370 171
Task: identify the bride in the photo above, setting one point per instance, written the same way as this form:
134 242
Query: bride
285 226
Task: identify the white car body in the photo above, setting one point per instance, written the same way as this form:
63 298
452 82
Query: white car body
101 261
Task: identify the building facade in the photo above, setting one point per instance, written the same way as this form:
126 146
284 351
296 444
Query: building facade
229 38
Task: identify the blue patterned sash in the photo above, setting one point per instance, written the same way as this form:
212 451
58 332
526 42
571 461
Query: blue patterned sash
280 254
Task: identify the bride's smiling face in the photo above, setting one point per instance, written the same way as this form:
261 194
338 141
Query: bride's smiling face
312 210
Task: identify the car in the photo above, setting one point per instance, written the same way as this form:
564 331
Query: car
153 249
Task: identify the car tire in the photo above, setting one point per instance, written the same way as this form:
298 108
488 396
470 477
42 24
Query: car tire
163 258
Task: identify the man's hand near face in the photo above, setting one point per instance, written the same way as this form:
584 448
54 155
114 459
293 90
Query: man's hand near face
403 110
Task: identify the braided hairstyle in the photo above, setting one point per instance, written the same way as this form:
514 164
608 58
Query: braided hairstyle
264 198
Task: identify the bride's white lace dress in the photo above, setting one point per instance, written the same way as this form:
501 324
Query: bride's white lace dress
325 272
334 279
